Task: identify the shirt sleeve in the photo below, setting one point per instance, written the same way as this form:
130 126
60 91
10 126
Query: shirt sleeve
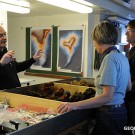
21 66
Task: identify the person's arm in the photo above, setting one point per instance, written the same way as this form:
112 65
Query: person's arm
94 102
38 54
1 67
129 86
21 66
7 58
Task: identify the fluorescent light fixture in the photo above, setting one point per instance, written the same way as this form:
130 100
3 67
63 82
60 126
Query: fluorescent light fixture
70 5
22 7
84 2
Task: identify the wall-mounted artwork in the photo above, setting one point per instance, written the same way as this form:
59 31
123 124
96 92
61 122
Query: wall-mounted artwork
62 51
41 39
70 49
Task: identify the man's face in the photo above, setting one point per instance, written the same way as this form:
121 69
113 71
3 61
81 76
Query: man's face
130 35
3 37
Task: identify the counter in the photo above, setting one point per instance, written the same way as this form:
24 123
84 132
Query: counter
52 126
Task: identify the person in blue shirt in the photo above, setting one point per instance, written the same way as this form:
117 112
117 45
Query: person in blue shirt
111 82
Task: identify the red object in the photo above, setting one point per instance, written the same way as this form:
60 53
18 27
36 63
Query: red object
127 46
30 108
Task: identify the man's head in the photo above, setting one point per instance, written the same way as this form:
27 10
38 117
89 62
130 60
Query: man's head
130 32
3 37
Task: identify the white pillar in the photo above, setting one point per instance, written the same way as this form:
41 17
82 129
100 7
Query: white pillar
3 20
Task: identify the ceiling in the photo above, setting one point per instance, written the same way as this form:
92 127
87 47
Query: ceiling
42 9
106 7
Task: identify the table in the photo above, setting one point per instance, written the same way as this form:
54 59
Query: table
26 80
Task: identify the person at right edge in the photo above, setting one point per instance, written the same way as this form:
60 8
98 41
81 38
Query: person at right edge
130 96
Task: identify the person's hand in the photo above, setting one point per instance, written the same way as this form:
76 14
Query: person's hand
7 57
38 54
66 107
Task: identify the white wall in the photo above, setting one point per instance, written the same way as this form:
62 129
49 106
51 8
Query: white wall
3 19
16 36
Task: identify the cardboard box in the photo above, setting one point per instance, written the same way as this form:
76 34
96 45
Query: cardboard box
33 90
71 88
15 100
51 126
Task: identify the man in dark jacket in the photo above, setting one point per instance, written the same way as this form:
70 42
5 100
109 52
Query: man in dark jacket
130 96
9 67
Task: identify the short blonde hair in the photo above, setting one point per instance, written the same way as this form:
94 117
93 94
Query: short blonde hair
105 33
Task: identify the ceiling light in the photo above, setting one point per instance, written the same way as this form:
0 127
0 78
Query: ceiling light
84 2
22 7
70 5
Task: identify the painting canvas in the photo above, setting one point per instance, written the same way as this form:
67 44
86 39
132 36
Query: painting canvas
70 49
41 39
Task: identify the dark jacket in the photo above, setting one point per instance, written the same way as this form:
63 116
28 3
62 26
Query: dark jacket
132 63
8 73
130 96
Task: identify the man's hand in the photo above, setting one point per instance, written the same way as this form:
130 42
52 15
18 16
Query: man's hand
7 57
38 54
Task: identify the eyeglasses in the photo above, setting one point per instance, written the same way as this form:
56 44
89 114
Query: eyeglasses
3 35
